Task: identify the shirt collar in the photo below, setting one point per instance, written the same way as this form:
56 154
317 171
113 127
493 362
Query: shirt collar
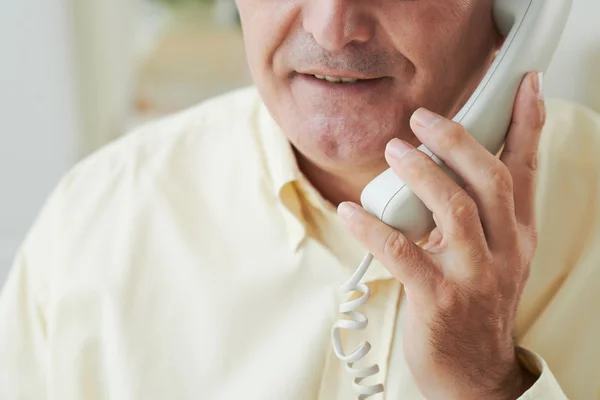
286 178
293 190
282 172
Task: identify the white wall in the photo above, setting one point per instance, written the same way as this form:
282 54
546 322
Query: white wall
37 112
104 47
575 70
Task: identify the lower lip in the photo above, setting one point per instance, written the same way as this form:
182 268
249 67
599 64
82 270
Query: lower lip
332 89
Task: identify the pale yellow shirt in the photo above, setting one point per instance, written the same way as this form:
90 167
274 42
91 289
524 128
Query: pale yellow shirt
191 260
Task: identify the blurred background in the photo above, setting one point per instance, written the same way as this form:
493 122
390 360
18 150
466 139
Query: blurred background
76 74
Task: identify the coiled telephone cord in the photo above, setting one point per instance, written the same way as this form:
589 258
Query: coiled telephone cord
356 322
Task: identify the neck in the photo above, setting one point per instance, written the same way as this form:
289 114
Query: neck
337 186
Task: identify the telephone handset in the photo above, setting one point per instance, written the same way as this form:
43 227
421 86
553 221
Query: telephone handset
532 30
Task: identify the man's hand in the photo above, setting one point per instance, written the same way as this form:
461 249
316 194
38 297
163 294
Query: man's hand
463 287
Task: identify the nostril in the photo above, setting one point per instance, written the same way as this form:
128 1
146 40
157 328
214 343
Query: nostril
334 24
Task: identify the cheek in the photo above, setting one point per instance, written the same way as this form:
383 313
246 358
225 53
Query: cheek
434 38
265 25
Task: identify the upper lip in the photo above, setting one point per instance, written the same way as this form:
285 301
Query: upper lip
338 74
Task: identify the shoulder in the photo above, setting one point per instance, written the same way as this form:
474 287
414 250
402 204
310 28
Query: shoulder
127 177
150 149
201 122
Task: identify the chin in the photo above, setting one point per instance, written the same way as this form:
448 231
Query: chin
343 141
342 126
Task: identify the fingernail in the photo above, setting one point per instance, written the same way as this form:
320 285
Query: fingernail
398 148
346 209
538 85
425 118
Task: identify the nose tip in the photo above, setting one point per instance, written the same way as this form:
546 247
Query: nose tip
336 23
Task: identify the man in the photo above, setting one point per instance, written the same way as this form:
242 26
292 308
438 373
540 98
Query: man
200 257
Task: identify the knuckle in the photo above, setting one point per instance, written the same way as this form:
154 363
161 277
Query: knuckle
522 273
530 240
413 165
395 246
499 177
530 160
461 207
452 296
525 272
534 238
452 137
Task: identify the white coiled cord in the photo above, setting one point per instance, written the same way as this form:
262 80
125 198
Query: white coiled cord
357 322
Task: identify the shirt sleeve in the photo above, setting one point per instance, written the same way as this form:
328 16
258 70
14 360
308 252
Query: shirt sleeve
546 386
24 305
22 337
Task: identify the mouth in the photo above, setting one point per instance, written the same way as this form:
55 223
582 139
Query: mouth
339 77
342 99
338 80
341 83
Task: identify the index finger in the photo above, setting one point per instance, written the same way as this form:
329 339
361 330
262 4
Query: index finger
520 152
405 260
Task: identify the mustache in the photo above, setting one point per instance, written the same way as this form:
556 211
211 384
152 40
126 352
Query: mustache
302 52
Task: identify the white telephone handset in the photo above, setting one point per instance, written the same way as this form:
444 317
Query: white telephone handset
532 30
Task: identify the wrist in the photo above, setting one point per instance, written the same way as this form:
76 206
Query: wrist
518 381
524 381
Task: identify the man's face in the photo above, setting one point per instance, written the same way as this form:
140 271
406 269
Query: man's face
395 56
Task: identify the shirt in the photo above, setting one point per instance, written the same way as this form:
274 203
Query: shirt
191 259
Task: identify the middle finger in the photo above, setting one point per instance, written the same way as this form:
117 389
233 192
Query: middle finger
455 209
486 178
